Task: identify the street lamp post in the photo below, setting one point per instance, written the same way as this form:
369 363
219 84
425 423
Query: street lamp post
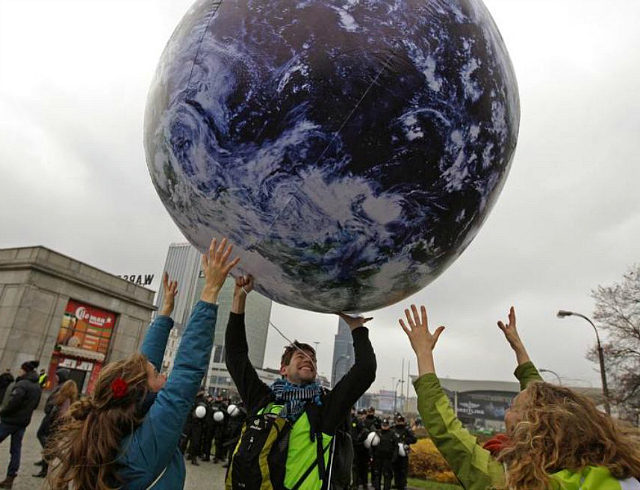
395 393
551 372
603 374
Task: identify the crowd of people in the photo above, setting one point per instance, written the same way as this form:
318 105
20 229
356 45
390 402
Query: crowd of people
137 427
381 448
213 425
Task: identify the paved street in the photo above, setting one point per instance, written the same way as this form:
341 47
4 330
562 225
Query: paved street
207 476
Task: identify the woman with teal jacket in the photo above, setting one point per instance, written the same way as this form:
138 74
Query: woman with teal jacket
113 439
556 438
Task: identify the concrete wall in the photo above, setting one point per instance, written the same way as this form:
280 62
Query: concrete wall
35 285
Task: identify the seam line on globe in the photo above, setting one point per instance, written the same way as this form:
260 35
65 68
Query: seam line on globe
204 32
294 345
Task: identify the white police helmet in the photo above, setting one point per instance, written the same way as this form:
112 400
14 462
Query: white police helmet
372 440
401 450
201 411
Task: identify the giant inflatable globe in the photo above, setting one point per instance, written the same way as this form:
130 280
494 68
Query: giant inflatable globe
350 149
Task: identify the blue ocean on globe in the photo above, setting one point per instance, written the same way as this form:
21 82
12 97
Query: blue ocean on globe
350 149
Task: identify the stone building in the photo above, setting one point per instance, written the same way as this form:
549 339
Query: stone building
63 312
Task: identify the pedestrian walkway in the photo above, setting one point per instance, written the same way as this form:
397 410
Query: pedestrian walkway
206 476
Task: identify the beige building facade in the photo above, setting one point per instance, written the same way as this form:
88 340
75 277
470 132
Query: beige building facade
66 313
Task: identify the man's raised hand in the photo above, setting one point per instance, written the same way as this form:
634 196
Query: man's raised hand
354 321
244 285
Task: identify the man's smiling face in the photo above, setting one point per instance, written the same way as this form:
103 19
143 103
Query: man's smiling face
301 368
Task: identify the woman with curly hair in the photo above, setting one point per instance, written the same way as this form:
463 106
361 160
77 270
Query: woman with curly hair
556 438
124 436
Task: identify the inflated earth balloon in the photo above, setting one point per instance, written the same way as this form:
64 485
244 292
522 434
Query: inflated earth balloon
350 149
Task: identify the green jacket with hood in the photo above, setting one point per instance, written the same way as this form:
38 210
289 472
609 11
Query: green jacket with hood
474 466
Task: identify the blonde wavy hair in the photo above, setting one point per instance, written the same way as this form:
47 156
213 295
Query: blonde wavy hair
85 447
560 429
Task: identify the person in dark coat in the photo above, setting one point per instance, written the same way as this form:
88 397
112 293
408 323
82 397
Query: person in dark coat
6 379
197 429
371 423
384 455
406 437
15 415
209 428
360 452
371 420
237 418
220 428
294 396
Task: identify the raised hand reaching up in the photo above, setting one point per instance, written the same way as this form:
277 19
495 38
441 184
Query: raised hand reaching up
244 285
422 340
169 292
354 321
216 266
511 334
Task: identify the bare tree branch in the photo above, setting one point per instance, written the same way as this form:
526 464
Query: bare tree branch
617 312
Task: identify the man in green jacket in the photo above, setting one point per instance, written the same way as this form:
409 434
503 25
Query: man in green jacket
474 466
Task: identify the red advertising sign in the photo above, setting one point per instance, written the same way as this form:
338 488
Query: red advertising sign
86 327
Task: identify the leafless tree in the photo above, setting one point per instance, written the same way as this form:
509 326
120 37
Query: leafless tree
617 311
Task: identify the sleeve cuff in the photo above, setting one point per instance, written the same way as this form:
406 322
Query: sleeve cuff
427 381
525 369
207 306
360 332
164 320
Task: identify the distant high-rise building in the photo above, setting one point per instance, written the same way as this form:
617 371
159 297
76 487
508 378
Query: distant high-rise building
343 356
183 265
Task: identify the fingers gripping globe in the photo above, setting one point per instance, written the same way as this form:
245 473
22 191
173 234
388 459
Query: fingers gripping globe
351 150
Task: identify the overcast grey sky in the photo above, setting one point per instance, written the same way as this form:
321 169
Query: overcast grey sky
73 82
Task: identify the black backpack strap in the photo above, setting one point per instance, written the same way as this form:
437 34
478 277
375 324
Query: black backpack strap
320 456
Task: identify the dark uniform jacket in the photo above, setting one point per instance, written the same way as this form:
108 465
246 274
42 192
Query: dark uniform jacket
23 400
405 435
388 446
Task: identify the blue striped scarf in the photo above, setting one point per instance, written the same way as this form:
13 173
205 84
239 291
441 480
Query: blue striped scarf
294 397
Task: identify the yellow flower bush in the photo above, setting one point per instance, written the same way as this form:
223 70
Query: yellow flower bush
426 463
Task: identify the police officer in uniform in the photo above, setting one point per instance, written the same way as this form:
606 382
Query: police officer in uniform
208 430
220 419
197 428
372 424
360 452
406 437
233 429
384 455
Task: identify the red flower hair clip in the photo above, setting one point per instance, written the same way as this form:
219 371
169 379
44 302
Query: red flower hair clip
119 388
